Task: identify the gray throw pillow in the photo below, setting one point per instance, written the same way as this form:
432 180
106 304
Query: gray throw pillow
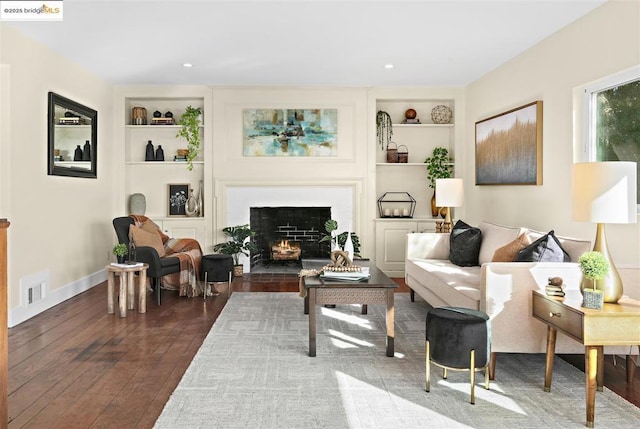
464 244
545 249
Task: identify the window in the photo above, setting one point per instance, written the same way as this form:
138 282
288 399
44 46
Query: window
612 117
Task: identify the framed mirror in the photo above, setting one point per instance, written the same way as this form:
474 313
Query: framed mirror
73 138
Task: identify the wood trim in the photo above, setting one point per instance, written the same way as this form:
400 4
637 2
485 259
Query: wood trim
4 329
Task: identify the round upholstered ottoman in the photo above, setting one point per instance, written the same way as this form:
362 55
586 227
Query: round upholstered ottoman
458 339
216 268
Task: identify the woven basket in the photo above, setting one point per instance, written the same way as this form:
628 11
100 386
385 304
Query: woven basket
392 153
138 116
403 154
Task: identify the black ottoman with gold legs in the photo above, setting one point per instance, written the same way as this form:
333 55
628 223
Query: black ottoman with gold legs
458 339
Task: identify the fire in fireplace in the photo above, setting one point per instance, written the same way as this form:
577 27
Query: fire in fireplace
285 250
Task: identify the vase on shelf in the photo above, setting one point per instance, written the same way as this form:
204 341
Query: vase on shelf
200 199
150 153
159 153
86 151
434 208
192 208
77 154
348 246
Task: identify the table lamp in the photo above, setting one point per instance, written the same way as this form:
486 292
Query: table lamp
605 192
449 193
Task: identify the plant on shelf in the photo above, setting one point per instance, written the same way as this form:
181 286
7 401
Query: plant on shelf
239 243
594 266
340 239
384 128
190 131
120 250
439 166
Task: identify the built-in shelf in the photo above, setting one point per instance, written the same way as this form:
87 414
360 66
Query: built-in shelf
182 163
155 127
424 125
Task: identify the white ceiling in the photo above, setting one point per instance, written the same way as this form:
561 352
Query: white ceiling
303 42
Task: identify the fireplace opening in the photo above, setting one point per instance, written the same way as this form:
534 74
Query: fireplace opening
286 235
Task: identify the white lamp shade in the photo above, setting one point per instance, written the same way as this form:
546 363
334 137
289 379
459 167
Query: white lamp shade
449 193
605 192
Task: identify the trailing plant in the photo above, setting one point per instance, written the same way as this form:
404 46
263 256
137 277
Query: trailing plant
190 131
331 226
238 243
594 266
384 128
439 166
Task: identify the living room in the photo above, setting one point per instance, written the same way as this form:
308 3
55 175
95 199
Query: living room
61 234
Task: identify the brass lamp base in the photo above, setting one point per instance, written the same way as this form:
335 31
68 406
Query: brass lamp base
611 283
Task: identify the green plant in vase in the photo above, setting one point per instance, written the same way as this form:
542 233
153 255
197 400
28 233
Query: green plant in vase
190 131
340 239
439 166
594 266
120 250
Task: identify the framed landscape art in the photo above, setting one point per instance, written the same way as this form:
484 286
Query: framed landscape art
290 132
509 147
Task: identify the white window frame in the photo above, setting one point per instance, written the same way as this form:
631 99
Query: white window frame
588 103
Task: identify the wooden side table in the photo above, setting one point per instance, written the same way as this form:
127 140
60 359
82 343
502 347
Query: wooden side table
615 324
126 294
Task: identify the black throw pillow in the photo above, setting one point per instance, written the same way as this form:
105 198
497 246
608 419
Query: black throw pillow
545 249
464 244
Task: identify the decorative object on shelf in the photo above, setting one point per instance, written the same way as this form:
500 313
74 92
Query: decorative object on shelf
338 241
190 131
150 154
439 166
555 287
159 153
348 245
594 266
177 199
239 243
86 151
77 154
410 117
168 114
450 194
192 207
384 129
120 250
392 153
201 198
182 152
509 147
403 154
157 114
137 204
441 114
396 204
138 116
605 192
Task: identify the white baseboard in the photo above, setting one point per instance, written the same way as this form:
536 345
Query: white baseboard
26 312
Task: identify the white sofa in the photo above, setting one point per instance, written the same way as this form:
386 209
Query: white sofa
501 289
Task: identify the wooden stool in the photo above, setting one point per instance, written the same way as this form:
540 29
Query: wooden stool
126 295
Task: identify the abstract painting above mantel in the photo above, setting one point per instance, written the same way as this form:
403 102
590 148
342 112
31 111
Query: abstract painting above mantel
290 132
509 147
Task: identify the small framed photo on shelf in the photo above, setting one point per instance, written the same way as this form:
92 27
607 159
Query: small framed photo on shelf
178 193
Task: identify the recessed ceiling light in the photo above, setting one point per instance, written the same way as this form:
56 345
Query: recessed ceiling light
187 65
388 66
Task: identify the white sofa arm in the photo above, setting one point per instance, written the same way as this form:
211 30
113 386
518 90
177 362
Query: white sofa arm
428 245
505 295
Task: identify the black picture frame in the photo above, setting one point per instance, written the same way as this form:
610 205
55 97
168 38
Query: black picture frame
177 195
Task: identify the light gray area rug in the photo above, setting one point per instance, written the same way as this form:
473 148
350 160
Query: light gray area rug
253 371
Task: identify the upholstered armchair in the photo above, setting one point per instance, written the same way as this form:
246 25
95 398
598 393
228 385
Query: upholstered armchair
159 266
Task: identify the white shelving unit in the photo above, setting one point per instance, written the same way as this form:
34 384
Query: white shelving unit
418 140
152 178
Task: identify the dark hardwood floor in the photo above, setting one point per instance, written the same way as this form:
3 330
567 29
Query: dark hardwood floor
75 366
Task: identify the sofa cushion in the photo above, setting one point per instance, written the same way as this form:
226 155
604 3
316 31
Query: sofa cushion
464 244
545 249
143 238
573 246
508 252
493 237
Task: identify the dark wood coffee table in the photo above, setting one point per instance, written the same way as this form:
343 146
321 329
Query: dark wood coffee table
378 289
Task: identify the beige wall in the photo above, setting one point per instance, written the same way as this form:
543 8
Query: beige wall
603 42
60 227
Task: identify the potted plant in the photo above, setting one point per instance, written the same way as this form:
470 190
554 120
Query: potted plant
594 266
439 166
338 241
120 250
239 243
384 128
190 131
